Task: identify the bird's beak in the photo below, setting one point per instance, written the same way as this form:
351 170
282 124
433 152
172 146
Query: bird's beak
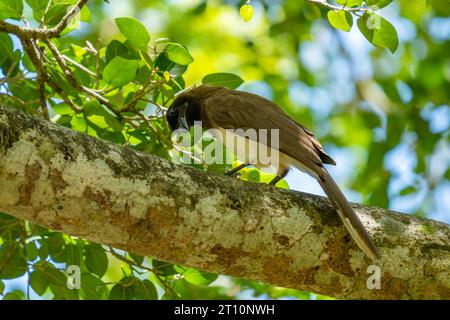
182 119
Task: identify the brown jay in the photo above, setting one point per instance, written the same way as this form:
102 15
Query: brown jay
222 108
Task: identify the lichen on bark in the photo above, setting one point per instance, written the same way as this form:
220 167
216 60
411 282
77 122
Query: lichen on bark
113 195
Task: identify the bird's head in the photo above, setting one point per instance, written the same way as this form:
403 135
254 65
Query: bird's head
186 108
177 114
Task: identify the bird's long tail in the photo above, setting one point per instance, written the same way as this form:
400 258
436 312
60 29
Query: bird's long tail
348 216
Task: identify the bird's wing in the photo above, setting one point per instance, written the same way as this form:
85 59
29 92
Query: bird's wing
235 109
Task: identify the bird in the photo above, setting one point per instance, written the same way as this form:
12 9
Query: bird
220 108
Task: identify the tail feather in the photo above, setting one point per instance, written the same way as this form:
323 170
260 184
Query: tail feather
348 216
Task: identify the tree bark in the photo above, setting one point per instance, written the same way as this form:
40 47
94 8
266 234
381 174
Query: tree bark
102 192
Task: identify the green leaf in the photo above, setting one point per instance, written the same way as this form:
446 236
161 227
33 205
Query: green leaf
311 12
56 245
63 293
164 64
407 190
10 228
254 175
378 31
38 7
56 13
121 292
163 268
16 295
6 47
143 74
228 80
379 3
55 277
136 258
78 51
115 49
178 54
2 287
11 9
145 290
59 77
92 287
101 118
350 3
12 260
441 6
12 63
62 108
78 123
38 281
96 260
134 31
27 62
32 251
57 281
85 14
92 108
43 249
120 71
340 19
72 255
74 24
199 277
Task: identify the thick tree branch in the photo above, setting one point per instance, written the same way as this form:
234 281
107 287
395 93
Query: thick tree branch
102 192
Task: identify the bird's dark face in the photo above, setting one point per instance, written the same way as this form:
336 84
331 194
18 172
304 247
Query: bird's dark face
176 114
183 112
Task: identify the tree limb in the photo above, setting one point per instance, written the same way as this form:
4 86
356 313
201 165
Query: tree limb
112 195
44 33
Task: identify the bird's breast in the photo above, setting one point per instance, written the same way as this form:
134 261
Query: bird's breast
255 150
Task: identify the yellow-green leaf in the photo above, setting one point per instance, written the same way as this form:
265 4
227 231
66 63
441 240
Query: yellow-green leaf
340 19
120 71
246 12
178 54
11 9
379 3
350 3
441 6
228 80
134 31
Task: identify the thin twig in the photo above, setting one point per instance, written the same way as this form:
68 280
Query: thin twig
49 3
330 6
38 60
41 79
144 90
23 238
64 97
68 73
97 66
79 66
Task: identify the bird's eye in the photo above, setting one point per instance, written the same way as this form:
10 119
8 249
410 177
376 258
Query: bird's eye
172 112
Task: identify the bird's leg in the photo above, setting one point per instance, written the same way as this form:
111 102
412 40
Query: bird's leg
236 170
280 176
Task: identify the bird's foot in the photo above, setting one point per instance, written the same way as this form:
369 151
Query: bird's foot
275 181
233 172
